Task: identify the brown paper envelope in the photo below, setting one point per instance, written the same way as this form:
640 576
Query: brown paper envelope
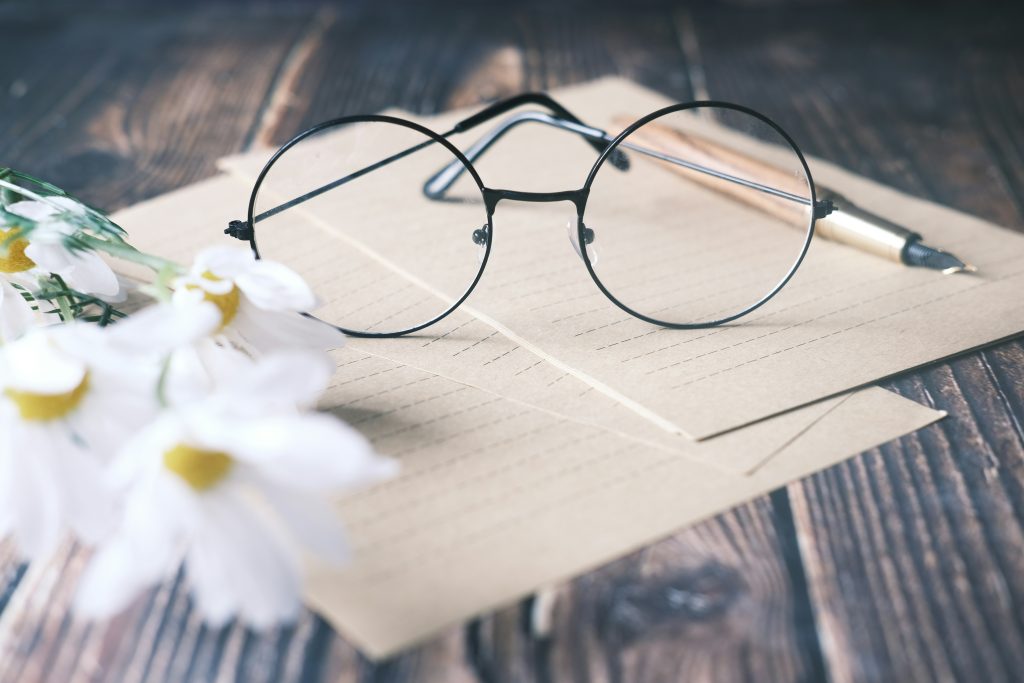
845 320
180 223
497 498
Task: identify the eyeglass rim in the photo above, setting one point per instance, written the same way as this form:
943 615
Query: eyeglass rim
377 118
584 193
626 132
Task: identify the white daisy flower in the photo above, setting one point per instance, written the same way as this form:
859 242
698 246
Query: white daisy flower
230 485
23 260
65 408
259 302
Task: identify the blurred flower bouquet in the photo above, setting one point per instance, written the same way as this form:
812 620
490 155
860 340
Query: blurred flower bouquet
183 434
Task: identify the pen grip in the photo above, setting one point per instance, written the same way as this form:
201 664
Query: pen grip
847 224
852 225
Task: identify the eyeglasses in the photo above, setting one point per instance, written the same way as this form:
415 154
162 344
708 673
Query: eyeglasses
691 217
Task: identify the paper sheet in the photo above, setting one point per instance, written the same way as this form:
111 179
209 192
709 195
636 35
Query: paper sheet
845 320
516 471
499 496
464 348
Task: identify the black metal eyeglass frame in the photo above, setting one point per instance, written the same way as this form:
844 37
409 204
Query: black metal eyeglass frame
607 146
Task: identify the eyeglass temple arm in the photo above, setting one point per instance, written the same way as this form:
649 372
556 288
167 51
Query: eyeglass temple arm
440 182
498 108
242 230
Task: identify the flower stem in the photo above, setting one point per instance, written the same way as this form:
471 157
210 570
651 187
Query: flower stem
62 296
64 304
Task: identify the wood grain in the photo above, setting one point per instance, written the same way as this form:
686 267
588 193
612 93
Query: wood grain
906 563
913 551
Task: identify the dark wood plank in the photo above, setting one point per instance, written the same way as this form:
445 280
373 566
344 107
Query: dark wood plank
122 106
913 551
714 603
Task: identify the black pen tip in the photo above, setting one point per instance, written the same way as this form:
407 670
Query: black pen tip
917 254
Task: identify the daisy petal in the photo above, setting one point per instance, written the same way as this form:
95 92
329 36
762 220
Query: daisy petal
224 262
16 314
8 483
37 524
312 520
79 479
125 286
89 273
32 209
236 564
164 327
286 378
275 287
110 582
267 331
35 363
51 256
146 549
315 452
223 364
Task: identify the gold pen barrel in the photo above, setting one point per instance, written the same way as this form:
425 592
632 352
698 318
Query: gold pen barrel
852 225
847 224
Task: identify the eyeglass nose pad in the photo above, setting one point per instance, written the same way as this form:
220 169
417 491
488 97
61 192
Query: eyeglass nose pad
588 238
481 238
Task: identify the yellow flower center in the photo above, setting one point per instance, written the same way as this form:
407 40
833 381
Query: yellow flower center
226 303
12 252
41 407
201 469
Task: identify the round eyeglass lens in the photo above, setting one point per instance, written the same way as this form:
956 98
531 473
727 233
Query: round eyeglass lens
345 208
712 218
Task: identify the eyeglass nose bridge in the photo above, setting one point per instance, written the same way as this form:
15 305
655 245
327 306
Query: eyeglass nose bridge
577 197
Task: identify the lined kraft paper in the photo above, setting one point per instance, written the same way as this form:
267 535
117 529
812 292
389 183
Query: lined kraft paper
845 320
496 496
461 347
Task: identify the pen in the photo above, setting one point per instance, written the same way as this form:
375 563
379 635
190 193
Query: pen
850 224
840 220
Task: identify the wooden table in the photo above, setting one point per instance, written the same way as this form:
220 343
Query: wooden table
904 563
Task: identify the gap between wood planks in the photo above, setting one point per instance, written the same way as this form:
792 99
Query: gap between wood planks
281 92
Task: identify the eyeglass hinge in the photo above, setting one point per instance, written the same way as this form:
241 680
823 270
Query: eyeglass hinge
239 230
823 208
